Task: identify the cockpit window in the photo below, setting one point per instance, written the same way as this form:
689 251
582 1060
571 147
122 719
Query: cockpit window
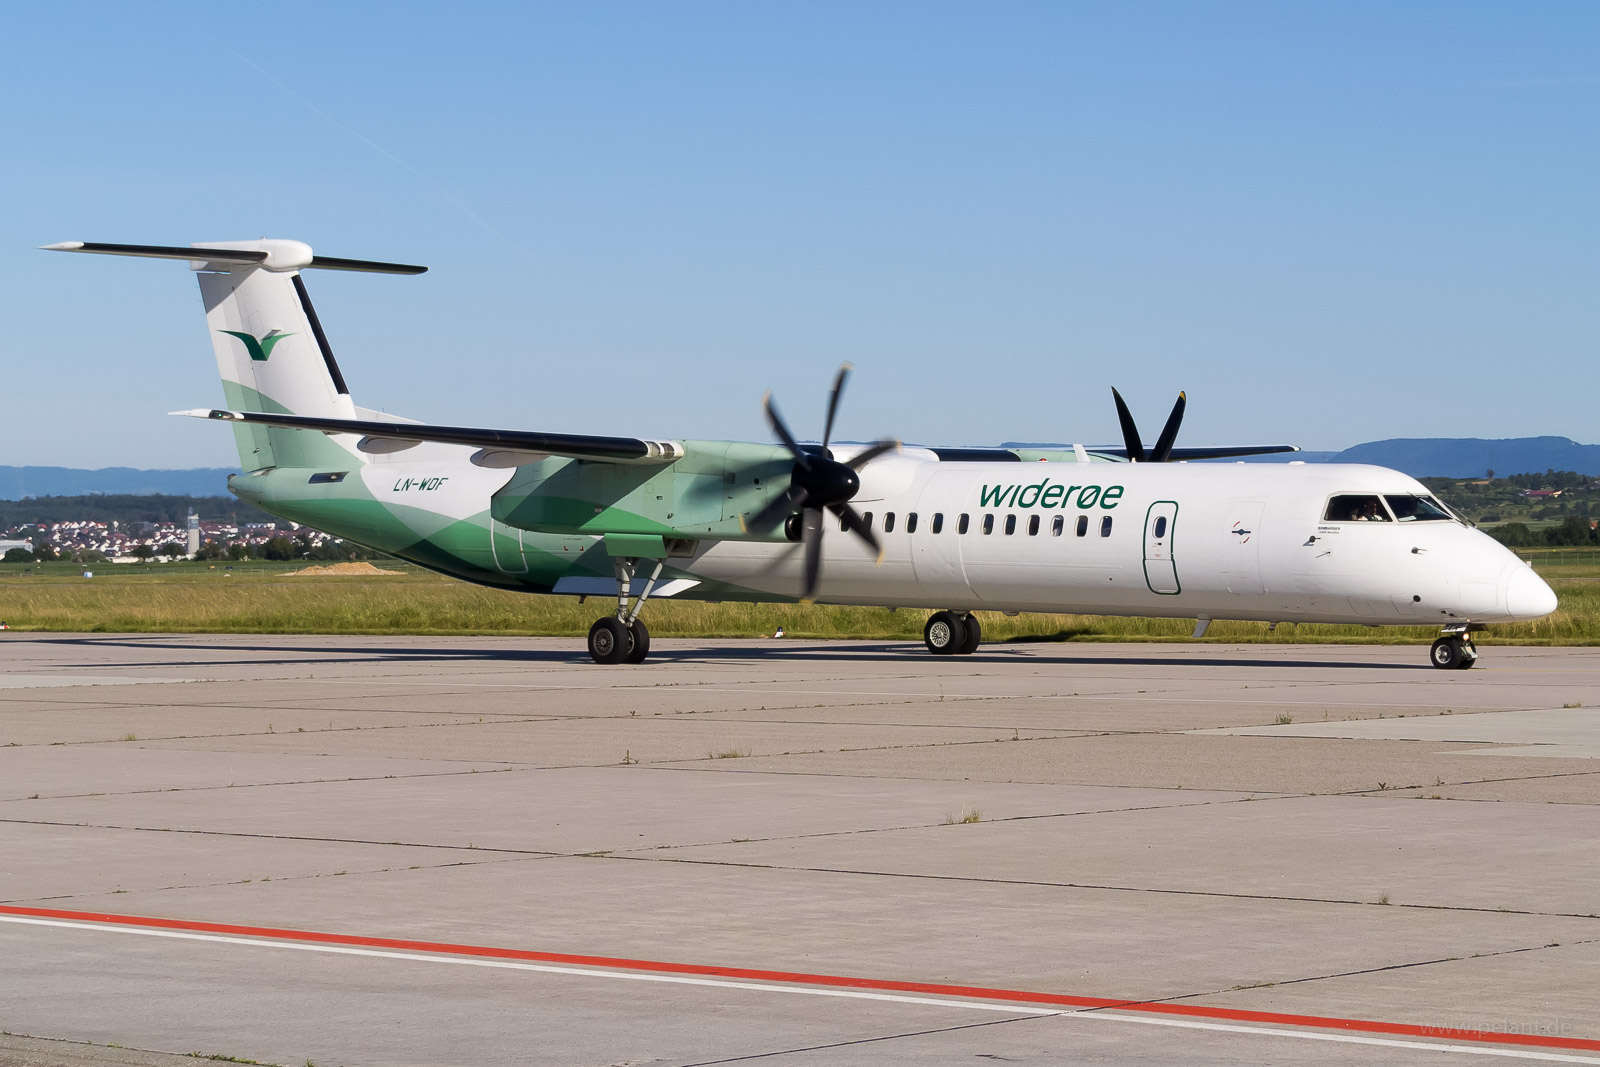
1352 507
1418 509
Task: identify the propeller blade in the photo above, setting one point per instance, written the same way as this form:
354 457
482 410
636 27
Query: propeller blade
776 422
878 448
781 508
855 524
813 542
1169 432
833 401
1130 432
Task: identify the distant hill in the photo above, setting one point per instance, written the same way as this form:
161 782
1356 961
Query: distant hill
1420 457
1473 457
19 482
1452 457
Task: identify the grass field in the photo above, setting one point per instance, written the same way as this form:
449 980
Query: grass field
270 598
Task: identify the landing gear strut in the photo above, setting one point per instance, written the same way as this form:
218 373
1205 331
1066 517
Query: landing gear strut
623 638
952 633
1455 650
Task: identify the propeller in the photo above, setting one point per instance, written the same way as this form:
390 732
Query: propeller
1162 452
818 483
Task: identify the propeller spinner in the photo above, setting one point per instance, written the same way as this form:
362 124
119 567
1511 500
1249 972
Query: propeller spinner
819 482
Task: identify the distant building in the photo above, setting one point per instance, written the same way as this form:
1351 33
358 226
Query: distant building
194 533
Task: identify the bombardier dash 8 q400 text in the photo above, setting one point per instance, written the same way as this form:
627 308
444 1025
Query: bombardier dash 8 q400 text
1101 531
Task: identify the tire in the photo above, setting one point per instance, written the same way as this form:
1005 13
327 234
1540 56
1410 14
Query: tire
1447 654
944 634
640 648
969 622
609 640
1469 656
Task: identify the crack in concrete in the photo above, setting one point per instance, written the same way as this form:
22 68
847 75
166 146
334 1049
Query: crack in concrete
1167 891
855 1042
1378 970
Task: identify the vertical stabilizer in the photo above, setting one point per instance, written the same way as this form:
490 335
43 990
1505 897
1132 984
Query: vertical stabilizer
271 351
272 354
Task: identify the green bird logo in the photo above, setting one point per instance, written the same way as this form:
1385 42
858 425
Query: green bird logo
259 348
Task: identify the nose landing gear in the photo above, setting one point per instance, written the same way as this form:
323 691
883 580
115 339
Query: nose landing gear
952 633
1455 650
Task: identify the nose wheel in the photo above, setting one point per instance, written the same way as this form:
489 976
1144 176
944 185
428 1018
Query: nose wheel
952 633
1453 653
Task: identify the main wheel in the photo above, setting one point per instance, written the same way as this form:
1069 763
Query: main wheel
641 642
1448 655
944 633
969 622
609 640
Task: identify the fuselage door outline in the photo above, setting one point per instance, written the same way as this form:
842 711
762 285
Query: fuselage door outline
1160 563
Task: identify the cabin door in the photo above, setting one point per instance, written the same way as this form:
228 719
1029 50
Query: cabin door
1160 565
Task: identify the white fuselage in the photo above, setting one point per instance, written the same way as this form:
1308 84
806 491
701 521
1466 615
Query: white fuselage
1237 541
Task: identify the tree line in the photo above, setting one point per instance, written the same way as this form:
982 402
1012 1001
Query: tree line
126 509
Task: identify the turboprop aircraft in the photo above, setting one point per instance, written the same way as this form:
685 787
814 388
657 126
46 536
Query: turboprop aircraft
1102 531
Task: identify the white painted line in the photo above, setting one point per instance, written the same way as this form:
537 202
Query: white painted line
848 994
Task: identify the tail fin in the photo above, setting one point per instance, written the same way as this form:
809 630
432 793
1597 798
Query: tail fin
271 352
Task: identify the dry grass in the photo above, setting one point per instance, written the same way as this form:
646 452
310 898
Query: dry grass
187 598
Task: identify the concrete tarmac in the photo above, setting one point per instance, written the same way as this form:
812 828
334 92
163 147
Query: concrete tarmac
350 850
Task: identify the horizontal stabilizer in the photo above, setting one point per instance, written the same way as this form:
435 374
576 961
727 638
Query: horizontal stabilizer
572 446
275 255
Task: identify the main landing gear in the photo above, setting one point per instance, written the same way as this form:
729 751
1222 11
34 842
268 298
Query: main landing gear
622 638
1455 650
952 633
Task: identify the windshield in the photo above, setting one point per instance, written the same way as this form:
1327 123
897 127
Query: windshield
1356 507
1418 509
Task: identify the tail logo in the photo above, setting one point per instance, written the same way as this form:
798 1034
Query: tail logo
259 348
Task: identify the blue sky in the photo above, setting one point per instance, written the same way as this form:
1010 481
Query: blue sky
1329 223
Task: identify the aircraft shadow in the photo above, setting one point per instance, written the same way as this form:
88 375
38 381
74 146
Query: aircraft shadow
195 655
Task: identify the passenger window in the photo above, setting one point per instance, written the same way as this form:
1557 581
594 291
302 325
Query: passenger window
1365 507
1011 525
1105 526
866 521
961 525
1033 526
1083 525
988 525
888 522
911 522
1057 525
938 522
1161 527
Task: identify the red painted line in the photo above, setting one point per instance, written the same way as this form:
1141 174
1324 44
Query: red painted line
1018 996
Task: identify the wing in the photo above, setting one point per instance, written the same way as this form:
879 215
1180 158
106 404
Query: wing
1227 452
498 448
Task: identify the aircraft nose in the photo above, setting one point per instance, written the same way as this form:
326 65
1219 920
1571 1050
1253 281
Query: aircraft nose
1527 595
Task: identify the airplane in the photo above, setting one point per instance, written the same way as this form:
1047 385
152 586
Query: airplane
1099 531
